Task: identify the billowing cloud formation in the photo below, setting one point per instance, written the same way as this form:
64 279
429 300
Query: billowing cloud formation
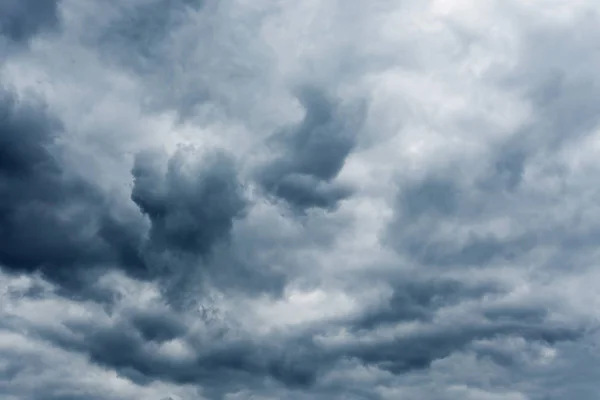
190 208
52 220
314 152
300 200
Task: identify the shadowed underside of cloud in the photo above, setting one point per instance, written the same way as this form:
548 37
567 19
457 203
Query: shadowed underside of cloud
192 201
52 220
422 323
312 153
20 20
190 207
57 223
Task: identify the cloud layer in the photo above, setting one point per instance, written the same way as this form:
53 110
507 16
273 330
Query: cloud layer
310 200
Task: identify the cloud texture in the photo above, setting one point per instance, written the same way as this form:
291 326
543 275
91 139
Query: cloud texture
299 200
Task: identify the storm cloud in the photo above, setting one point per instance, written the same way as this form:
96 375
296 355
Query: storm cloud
313 153
20 20
300 200
52 220
189 207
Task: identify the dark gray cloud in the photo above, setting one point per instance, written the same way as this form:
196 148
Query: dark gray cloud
420 351
222 358
312 153
157 326
20 20
414 300
190 207
192 200
56 222
214 354
425 321
51 220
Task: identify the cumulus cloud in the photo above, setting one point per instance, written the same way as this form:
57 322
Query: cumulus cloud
317 200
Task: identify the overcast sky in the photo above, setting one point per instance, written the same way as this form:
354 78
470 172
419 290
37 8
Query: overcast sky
313 199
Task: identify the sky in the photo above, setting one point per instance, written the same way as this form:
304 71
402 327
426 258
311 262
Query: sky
316 199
